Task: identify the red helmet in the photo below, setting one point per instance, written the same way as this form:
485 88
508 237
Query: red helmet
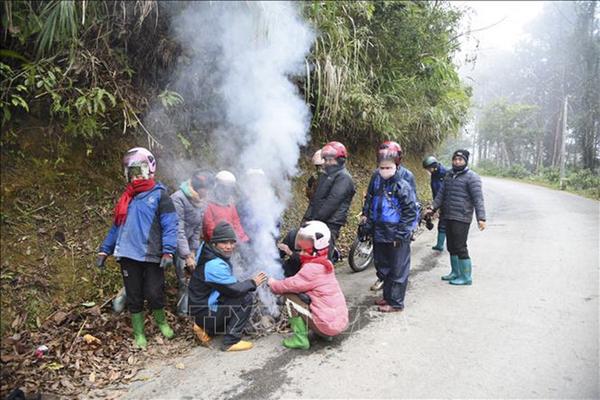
334 150
389 151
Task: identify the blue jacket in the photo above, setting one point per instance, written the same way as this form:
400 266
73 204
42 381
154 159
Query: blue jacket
212 279
149 231
406 176
409 177
437 179
391 208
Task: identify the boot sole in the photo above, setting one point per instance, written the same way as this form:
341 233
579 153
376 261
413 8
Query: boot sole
447 279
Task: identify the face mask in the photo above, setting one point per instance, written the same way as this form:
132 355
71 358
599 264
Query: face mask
387 173
330 168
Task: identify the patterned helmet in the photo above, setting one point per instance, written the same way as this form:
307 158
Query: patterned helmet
334 150
138 161
389 150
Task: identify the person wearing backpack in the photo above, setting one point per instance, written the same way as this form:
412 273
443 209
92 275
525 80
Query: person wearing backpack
404 174
389 213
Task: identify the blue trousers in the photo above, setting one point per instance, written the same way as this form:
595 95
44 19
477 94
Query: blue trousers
392 262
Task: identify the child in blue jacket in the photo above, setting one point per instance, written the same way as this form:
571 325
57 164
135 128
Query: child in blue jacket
143 239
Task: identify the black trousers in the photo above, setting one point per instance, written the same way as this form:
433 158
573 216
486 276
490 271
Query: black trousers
392 263
143 281
456 238
231 317
335 232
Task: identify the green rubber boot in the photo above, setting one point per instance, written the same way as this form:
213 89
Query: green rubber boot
455 271
465 273
137 322
441 238
161 321
300 338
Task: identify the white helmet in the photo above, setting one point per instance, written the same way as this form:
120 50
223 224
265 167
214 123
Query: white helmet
317 159
225 178
315 232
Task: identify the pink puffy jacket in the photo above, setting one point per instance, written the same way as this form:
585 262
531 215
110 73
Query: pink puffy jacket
328 304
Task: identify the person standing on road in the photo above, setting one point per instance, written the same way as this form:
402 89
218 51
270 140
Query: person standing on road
219 302
389 213
313 295
334 192
143 239
406 175
189 201
437 172
459 196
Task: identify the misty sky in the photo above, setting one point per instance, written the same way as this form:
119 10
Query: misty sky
509 20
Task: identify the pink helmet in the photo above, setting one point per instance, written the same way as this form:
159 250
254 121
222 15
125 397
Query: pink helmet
140 157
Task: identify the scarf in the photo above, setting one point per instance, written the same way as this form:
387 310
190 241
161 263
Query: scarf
132 189
318 259
190 193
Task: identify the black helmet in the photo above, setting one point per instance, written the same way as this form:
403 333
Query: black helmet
430 161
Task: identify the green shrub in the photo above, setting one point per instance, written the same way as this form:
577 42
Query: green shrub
517 171
550 174
584 179
487 167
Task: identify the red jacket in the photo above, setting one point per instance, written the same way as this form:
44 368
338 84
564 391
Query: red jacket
216 213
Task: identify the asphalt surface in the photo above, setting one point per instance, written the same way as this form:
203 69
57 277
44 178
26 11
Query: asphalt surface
526 328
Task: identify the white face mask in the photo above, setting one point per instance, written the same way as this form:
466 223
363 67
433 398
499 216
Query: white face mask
387 173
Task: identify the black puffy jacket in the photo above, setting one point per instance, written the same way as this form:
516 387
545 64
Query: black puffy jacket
332 198
461 193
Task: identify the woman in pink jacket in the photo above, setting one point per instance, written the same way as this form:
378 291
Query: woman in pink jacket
324 311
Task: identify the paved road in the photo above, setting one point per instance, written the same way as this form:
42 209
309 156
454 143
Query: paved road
527 328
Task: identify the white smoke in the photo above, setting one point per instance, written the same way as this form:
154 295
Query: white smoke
243 56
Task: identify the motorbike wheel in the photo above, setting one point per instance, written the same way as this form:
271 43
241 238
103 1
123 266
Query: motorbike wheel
360 255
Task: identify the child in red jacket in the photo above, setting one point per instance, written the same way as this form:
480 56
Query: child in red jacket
221 207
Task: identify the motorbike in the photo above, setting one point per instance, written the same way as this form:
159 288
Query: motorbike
360 256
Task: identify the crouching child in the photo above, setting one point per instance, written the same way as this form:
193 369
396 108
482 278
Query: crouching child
313 295
219 303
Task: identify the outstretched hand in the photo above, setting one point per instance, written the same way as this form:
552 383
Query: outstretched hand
260 279
285 248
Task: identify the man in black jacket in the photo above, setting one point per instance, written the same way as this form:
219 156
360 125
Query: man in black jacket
458 197
334 192
218 302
